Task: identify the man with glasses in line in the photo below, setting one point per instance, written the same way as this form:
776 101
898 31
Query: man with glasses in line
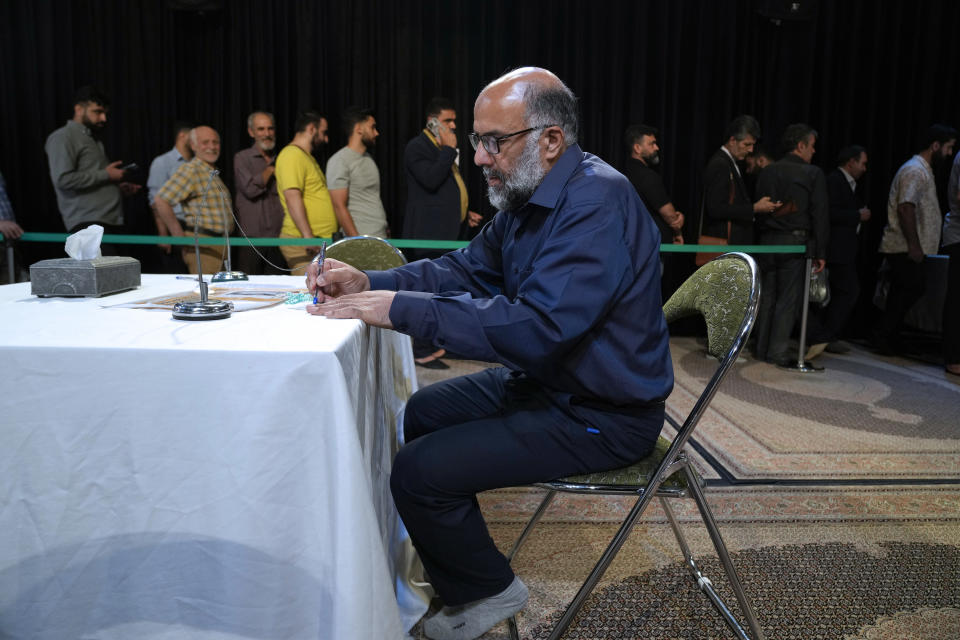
562 288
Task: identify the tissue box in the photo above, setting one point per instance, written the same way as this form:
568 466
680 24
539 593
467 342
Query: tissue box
78 278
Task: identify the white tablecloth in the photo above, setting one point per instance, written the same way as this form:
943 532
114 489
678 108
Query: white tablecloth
216 479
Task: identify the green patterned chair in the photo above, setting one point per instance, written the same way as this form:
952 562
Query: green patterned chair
366 253
726 292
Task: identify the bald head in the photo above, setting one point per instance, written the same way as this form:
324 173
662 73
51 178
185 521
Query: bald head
538 96
523 123
205 143
513 86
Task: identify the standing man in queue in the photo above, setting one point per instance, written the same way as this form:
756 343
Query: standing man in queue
437 201
88 186
728 208
207 209
259 211
307 209
354 179
562 288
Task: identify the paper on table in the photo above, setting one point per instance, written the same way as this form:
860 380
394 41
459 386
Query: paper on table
244 297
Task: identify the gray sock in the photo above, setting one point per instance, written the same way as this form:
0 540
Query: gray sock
476 618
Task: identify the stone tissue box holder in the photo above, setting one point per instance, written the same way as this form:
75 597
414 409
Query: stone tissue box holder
84 278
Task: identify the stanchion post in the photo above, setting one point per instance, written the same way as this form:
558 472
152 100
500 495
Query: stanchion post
805 310
803 366
11 268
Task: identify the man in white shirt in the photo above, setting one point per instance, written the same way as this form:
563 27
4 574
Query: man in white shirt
912 231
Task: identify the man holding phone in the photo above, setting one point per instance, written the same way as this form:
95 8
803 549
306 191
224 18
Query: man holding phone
87 184
437 203
436 195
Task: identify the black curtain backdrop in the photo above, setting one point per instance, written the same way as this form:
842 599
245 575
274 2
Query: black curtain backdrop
859 71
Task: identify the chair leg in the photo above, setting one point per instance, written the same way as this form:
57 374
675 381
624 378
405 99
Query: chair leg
512 627
600 568
704 582
547 499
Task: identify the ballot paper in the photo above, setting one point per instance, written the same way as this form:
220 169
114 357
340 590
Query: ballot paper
245 296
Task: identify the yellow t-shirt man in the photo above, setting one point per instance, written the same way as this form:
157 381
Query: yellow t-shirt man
297 169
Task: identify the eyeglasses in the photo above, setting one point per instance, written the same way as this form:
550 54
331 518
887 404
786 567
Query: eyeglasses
492 143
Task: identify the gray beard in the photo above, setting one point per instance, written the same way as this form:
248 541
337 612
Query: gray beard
517 187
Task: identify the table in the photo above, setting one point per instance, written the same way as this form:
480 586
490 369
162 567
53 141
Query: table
216 479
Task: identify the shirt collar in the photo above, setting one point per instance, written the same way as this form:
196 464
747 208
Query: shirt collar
84 128
202 164
850 179
548 193
924 163
253 149
732 159
179 155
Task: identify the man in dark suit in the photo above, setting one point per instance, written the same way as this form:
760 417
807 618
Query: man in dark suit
728 210
436 194
802 219
436 197
847 211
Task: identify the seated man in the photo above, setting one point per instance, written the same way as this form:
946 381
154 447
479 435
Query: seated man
562 288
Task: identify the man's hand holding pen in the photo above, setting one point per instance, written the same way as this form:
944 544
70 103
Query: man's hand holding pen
344 292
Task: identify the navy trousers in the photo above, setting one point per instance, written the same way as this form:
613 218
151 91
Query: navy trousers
828 324
489 430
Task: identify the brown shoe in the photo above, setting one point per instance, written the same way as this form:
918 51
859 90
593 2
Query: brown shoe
814 350
838 347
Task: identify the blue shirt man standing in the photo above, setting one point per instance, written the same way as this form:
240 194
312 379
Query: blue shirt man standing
562 288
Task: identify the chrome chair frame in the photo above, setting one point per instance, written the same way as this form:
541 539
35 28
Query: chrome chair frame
675 476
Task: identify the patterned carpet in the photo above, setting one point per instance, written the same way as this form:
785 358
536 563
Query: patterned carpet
836 492
863 417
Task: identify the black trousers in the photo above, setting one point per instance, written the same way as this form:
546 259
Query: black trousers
951 308
781 295
489 430
828 324
907 285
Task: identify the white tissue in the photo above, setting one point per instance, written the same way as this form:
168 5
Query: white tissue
85 244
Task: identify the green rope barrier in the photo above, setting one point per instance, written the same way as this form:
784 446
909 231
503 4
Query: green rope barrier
39 236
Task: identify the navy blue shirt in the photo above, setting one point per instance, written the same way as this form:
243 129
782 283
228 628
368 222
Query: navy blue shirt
565 289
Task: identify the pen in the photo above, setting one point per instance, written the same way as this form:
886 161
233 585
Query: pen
319 259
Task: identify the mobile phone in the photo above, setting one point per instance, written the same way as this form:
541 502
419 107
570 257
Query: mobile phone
130 167
433 126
